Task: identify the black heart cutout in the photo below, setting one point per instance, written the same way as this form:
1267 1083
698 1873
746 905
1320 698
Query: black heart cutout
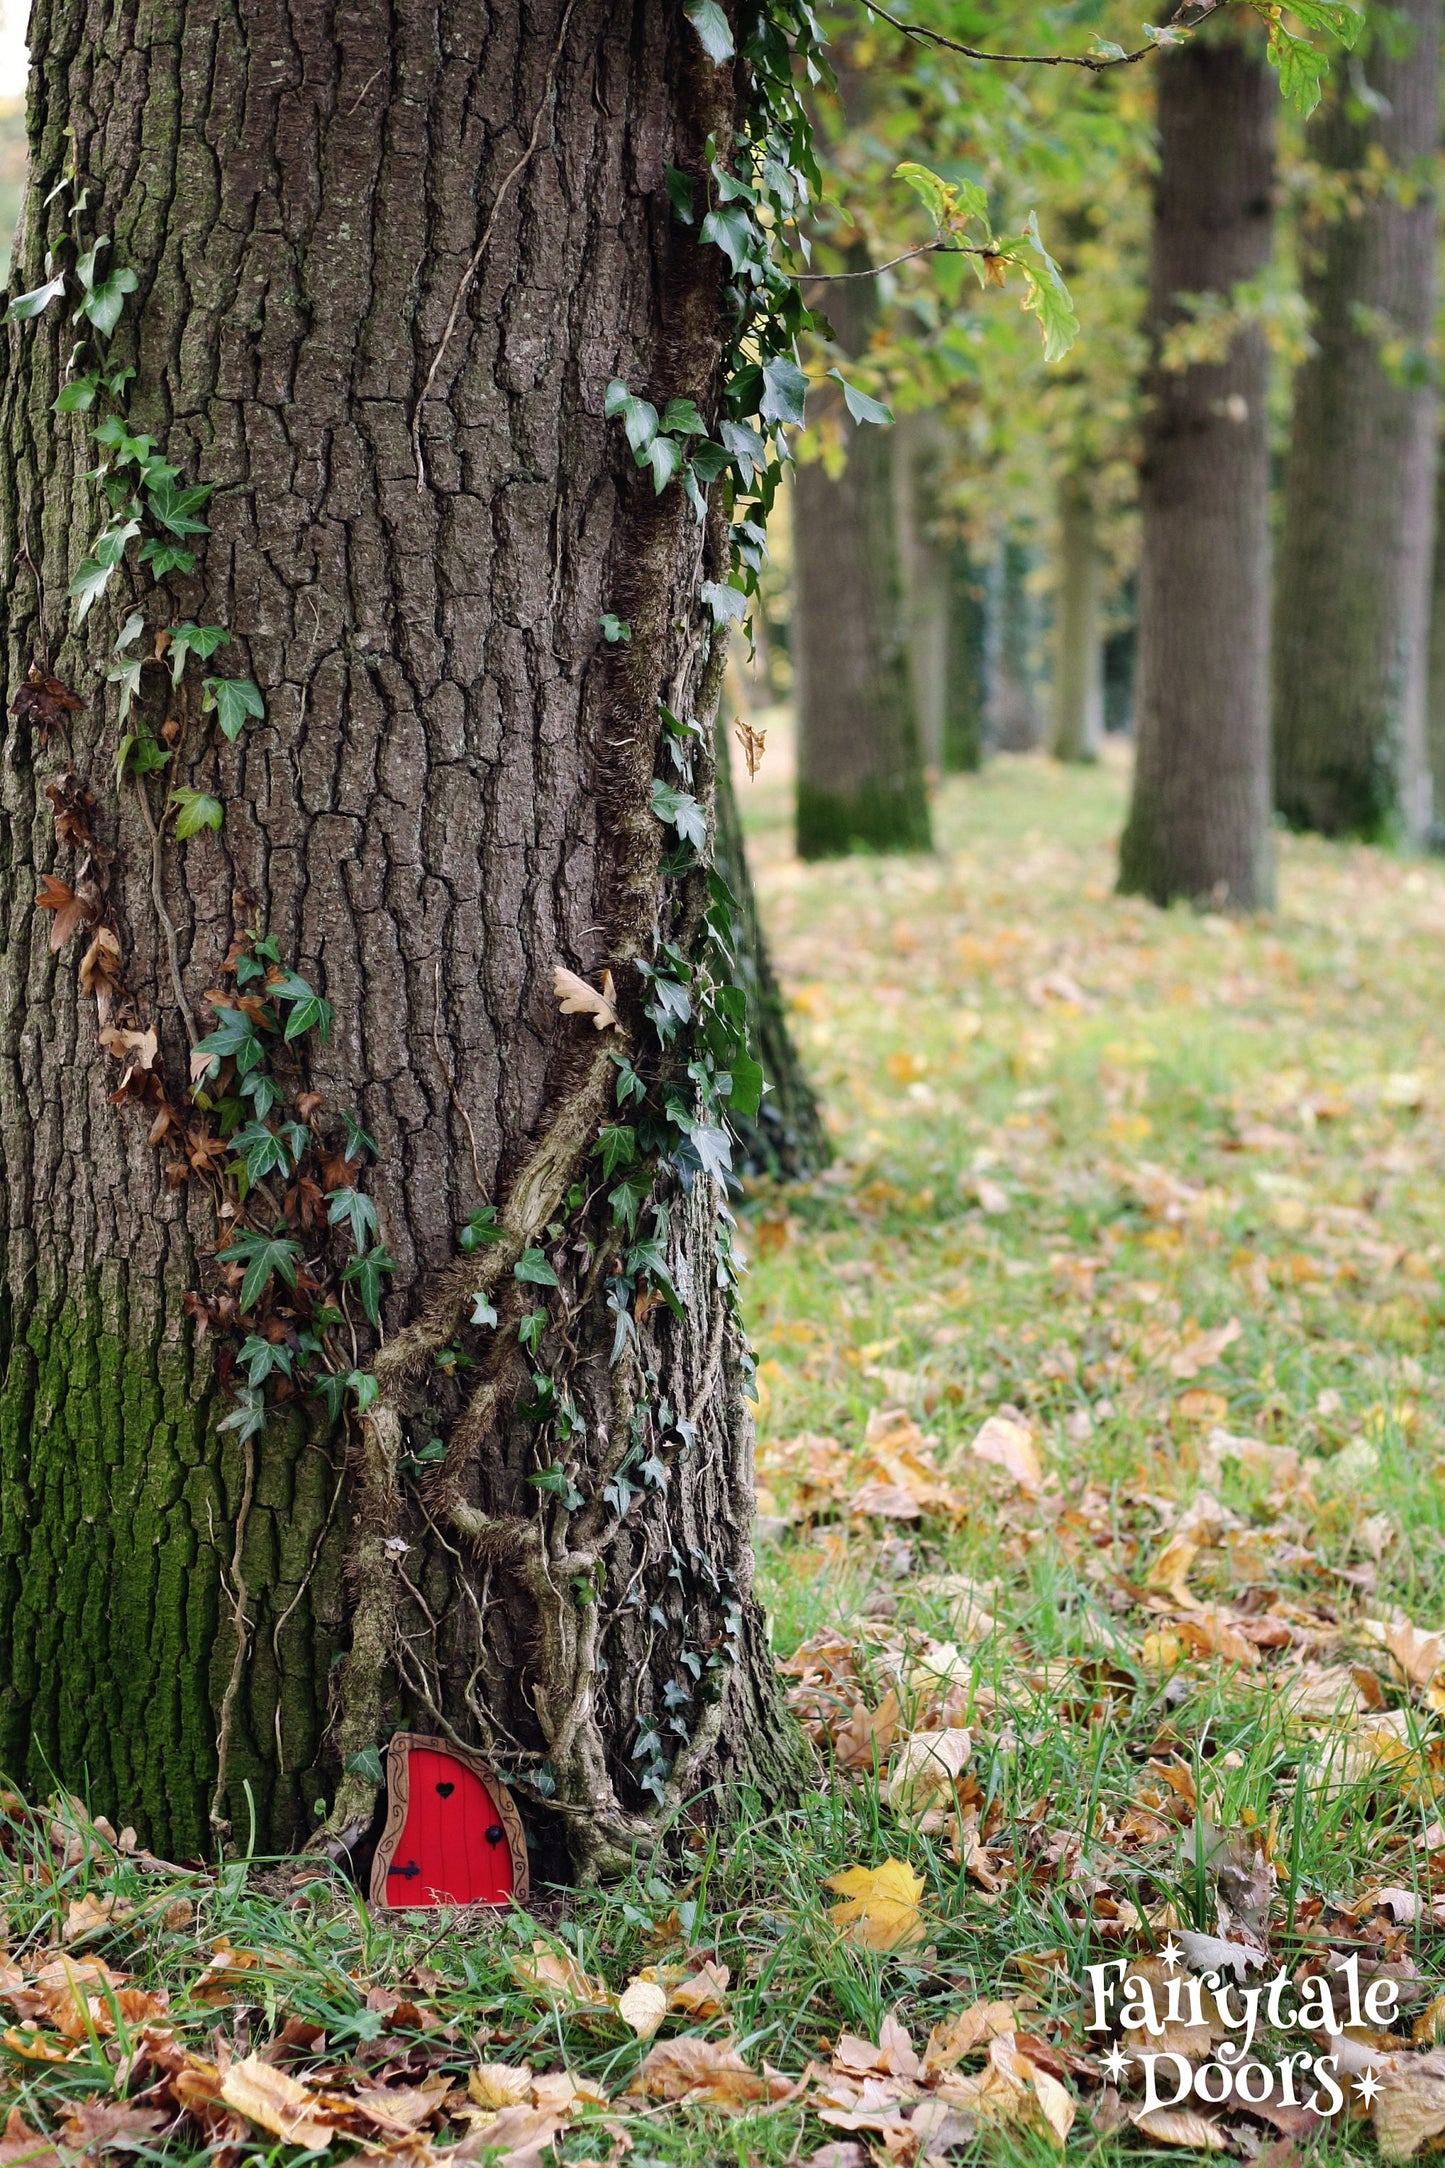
444 1791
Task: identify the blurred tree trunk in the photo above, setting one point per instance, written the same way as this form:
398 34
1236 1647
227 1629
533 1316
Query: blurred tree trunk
923 564
1079 652
967 634
860 767
1198 826
1435 688
787 1138
1012 695
1353 585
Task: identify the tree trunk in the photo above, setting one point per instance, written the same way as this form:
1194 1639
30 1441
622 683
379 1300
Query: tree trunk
1435 694
786 1138
1012 711
860 769
452 792
967 641
1198 826
1079 647
1352 595
925 577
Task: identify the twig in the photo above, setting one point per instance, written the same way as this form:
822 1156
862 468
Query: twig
167 927
929 248
464 284
243 1638
450 1080
1096 63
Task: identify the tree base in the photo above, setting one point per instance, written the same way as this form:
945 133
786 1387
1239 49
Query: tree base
836 824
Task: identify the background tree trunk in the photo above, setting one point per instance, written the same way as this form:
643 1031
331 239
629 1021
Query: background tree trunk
450 794
860 768
1435 690
967 642
787 1138
925 579
1079 647
1013 641
1198 825
1353 576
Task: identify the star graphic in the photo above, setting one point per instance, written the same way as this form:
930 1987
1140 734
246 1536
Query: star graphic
1116 2062
1171 1953
1368 2085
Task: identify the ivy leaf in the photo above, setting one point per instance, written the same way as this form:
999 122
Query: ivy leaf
680 194
262 1151
85 264
557 1480
664 456
482 1227
164 557
859 404
533 1268
365 1273
682 418
348 1208
680 810
188 640
197 812
127 676
78 396
616 1146
482 1311
746 1095
138 753
639 417
730 229
727 605
94 574
262 1256
614 629
104 302
357 1140
713 28
234 700
367 1765
248 1417
234 1036
35 303
784 389
260 1358
176 508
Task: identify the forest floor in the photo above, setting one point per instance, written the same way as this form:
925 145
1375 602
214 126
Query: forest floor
1101 1528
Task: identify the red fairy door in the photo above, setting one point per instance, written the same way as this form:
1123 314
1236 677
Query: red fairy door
450 1838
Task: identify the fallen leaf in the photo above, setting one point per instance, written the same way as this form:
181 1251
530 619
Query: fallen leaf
923 1772
499 2085
277 2102
880 1906
1007 1442
702 1993
1410 2108
705 2072
1181 2126
643 2005
560 1978
577 998
753 743
22 2147
972 2028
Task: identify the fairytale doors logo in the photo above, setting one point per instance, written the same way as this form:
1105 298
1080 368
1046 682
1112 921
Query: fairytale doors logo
1220 2010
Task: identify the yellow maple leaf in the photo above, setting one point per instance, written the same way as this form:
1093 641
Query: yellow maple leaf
880 1906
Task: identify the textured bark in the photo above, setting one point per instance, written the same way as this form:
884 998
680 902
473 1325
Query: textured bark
860 770
1353 575
1199 823
449 796
787 1138
1079 649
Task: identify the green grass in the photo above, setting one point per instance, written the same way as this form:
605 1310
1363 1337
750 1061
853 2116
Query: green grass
1073 1135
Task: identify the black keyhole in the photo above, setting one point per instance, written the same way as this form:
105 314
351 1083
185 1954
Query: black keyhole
495 1833
444 1791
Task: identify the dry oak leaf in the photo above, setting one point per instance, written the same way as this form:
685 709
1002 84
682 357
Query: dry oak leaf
1418 1654
706 2072
643 2005
973 2028
702 1994
275 2101
1007 1442
577 998
880 1906
923 1772
100 970
89 1912
72 907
